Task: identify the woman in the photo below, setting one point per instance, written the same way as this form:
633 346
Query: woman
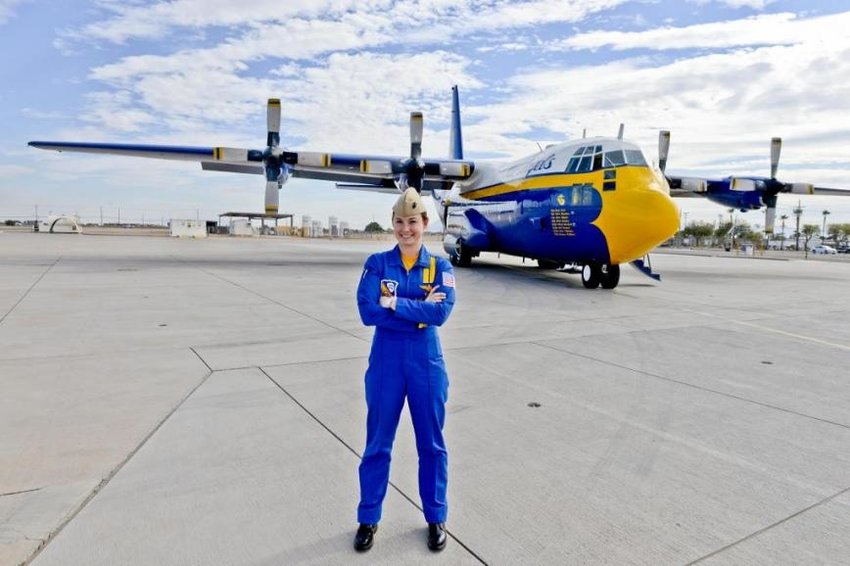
405 293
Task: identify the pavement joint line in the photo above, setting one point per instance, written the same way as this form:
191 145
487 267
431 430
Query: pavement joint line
21 491
200 357
311 317
286 364
693 385
31 287
105 481
769 527
775 330
359 457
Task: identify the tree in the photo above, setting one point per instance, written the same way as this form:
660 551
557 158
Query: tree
722 231
373 228
698 230
839 233
809 230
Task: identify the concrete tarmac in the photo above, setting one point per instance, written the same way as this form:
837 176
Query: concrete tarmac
167 401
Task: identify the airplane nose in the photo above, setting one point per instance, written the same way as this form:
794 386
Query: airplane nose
636 219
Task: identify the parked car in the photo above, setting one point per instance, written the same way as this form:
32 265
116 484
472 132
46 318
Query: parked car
824 250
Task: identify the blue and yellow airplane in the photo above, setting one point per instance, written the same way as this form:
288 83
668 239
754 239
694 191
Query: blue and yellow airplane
594 203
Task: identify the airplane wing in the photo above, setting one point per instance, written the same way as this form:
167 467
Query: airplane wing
741 192
379 173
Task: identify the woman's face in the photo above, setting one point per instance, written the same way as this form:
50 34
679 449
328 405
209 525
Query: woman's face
409 229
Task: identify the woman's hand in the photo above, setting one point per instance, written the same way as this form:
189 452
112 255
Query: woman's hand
434 296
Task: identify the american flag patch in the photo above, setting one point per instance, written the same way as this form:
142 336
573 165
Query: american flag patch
448 279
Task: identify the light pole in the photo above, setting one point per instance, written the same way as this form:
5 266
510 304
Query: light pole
825 214
783 218
798 212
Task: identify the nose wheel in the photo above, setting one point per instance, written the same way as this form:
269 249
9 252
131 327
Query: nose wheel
462 256
595 274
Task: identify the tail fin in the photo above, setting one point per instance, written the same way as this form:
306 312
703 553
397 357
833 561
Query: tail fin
455 137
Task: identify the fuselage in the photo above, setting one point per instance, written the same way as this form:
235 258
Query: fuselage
589 200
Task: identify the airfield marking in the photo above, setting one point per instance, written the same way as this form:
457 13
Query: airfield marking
774 330
24 296
359 457
768 527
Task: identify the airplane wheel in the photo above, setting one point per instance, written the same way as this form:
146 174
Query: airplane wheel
610 276
463 257
591 273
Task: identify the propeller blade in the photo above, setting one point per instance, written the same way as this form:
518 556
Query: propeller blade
800 188
663 149
775 149
272 197
416 126
769 219
273 121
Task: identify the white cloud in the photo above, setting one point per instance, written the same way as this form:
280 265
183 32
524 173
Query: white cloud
404 20
7 9
772 29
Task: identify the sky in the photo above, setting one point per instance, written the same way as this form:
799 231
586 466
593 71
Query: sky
723 75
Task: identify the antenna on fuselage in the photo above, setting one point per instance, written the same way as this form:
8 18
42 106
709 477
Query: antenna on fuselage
540 147
583 133
620 133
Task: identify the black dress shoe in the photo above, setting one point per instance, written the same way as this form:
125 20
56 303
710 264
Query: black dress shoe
437 536
365 537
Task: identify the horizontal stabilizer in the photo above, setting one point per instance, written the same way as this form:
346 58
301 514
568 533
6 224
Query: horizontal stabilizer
645 268
480 230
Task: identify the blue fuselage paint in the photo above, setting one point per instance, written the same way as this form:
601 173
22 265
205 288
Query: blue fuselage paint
534 223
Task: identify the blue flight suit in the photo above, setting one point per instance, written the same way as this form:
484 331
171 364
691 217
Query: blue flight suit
406 360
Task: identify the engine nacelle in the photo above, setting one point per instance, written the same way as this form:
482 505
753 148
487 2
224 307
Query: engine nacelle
742 184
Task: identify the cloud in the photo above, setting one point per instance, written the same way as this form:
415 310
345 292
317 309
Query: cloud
754 4
7 9
772 29
404 21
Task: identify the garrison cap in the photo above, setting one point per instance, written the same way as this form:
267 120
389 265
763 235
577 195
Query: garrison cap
409 204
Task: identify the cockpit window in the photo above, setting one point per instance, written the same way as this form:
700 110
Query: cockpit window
635 157
614 158
585 159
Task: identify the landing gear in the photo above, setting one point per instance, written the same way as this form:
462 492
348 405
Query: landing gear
462 257
591 273
594 274
610 276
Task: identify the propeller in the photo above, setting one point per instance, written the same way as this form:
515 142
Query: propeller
772 187
276 171
412 170
663 149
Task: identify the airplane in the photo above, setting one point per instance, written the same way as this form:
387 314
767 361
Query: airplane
739 191
592 203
